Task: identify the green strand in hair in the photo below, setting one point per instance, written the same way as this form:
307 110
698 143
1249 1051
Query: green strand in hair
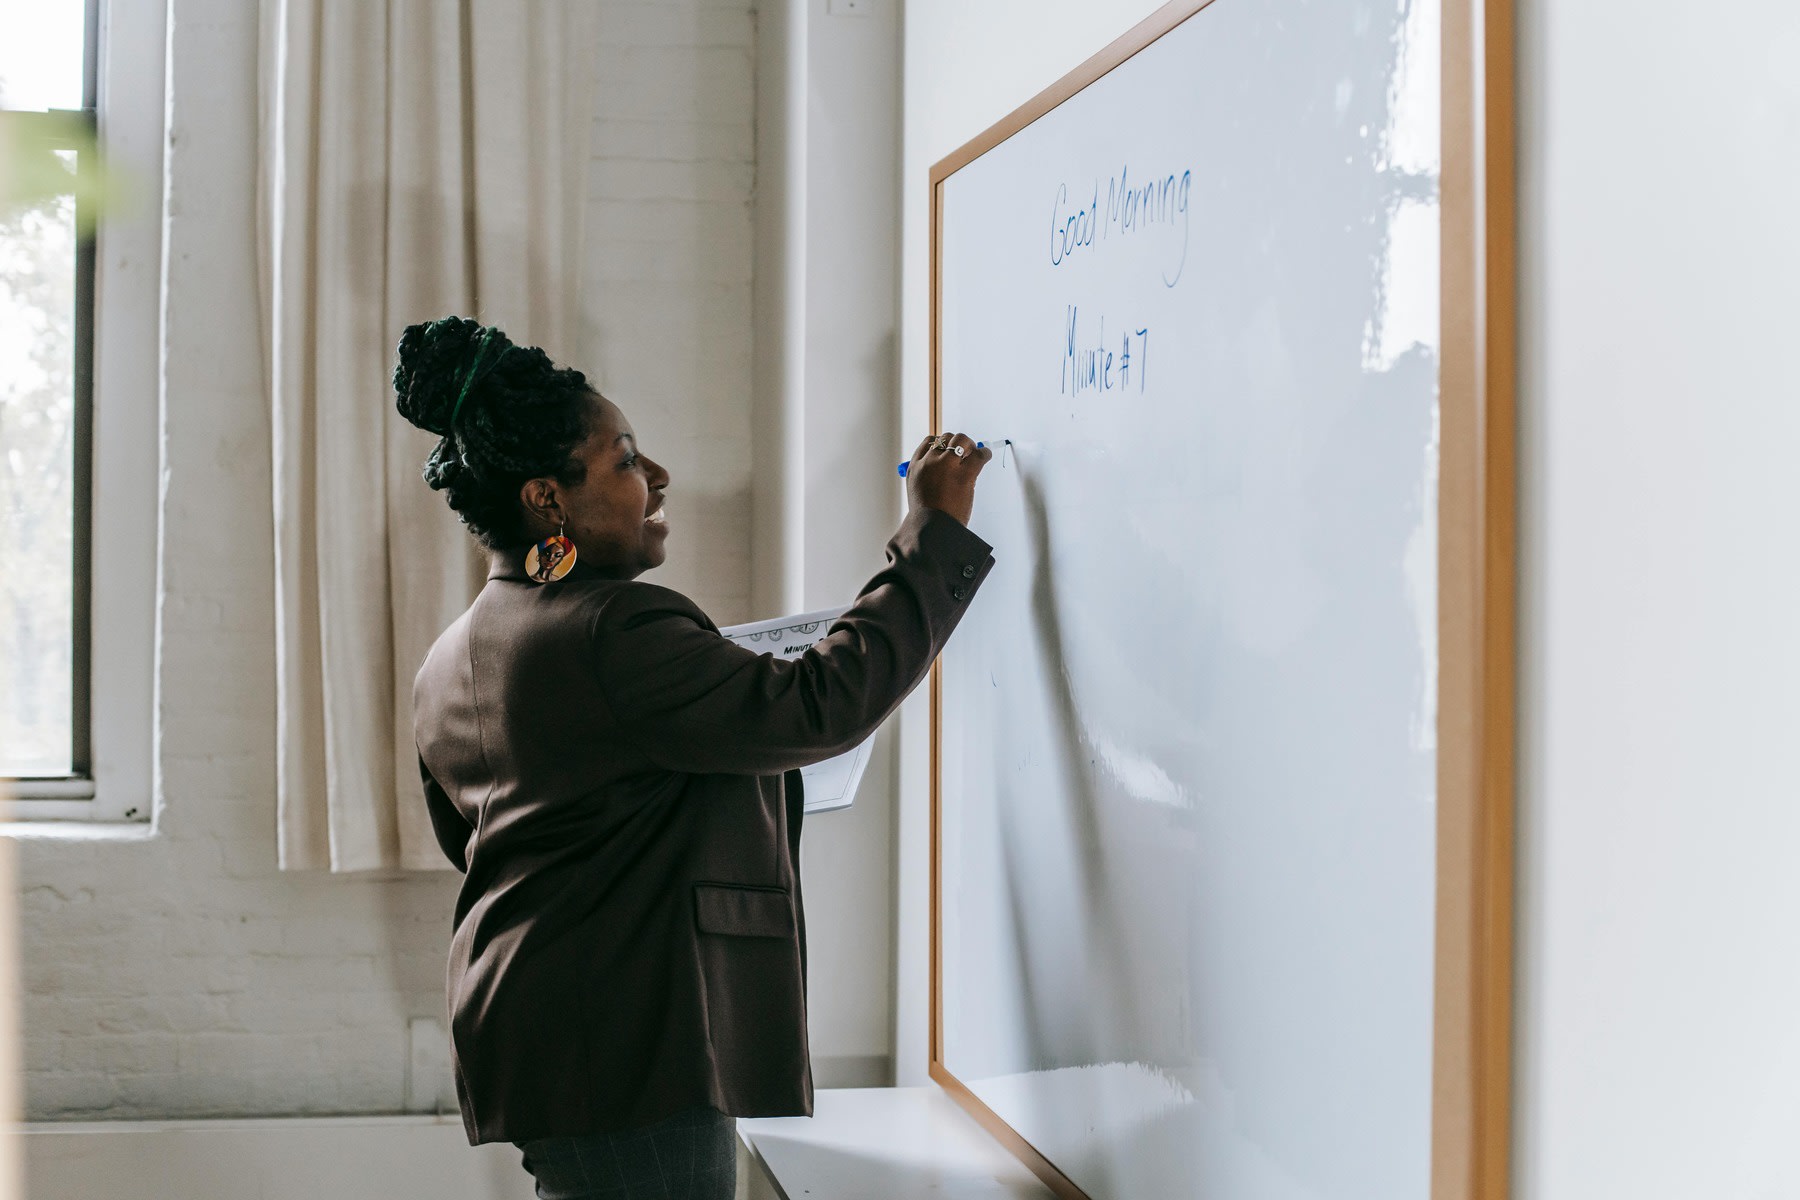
474 370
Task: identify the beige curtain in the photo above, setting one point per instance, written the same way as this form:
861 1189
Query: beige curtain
419 158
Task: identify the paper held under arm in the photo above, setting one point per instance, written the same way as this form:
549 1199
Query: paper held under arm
830 784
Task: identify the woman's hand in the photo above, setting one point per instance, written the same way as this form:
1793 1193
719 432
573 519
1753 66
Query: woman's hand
942 474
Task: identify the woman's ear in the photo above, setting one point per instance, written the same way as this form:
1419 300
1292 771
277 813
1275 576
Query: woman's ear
539 496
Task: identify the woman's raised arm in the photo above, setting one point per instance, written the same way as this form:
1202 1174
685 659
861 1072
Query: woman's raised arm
694 701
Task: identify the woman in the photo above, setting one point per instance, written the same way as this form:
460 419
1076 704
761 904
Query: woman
620 784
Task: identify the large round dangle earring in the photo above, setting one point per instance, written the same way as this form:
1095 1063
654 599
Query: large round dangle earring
550 559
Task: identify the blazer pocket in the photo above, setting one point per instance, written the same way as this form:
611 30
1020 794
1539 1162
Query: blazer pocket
741 910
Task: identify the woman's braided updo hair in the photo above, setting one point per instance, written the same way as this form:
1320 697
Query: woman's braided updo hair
505 413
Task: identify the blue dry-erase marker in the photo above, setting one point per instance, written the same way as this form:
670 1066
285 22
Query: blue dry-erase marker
908 463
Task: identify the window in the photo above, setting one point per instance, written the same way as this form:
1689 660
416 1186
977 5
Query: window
75 625
47 89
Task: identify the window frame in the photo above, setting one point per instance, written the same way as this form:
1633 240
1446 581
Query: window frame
116 436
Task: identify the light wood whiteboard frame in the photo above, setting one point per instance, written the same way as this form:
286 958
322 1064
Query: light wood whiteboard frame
1472 1034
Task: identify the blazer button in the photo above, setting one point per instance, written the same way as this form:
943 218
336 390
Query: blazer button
968 571
959 591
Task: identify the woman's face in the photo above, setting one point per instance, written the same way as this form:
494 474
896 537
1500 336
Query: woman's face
614 516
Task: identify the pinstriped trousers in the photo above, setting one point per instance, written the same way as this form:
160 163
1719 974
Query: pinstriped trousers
689 1156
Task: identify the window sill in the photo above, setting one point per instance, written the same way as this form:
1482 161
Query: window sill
60 804
78 831
48 789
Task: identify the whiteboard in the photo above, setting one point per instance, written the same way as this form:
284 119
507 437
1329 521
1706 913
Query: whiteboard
1185 808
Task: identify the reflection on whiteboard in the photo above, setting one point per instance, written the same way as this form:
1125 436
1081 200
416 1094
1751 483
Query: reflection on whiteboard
830 784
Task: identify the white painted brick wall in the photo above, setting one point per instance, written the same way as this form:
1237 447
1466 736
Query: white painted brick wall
184 976
668 331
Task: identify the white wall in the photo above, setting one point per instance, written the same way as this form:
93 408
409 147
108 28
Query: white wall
1658 1051
851 498
1658 1040
183 975
825 496
667 288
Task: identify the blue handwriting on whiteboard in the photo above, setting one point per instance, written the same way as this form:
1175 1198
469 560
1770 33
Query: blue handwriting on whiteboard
1096 367
1161 203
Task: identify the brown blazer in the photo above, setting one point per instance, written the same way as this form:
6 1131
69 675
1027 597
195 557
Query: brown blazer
620 786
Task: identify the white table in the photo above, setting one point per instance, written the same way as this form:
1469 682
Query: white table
881 1144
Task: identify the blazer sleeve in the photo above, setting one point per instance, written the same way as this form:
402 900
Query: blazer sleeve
693 701
452 830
